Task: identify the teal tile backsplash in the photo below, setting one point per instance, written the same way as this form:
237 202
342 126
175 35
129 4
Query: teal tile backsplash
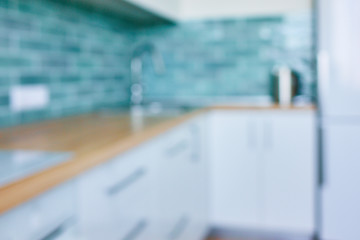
229 58
83 56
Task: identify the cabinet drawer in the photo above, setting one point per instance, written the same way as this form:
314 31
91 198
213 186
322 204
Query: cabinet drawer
126 170
130 201
95 215
39 217
179 143
116 197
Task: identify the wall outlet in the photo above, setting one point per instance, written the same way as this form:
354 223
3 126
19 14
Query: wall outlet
28 97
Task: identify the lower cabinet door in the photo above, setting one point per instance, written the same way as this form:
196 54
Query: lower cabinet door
341 195
95 215
263 170
154 192
117 199
182 178
41 216
235 182
172 177
196 182
288 169
130 202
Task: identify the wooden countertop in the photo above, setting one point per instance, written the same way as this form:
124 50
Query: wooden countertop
92 138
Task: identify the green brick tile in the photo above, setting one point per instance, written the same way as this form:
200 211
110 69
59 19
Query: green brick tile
34 116
71 47
35 45
59 61
14 23
34 79
4 100
70 78
4 3
9 120
13 61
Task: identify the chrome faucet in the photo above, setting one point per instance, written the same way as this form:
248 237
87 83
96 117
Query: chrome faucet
136 87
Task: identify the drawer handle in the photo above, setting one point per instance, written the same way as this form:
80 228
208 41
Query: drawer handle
128 181
179 228
56 232
178 148
136 231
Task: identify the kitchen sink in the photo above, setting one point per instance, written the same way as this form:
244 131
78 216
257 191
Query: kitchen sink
18 164
150 110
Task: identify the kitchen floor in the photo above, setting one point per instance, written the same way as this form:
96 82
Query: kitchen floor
216 238
252 238
234 238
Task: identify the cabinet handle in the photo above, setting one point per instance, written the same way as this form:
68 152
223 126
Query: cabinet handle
126 182
136 230
179 228
321 163
56 232
177 148
268 135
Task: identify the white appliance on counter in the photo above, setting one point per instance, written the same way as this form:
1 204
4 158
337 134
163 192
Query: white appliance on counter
339 98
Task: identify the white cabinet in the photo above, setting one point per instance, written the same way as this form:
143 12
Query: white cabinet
195 180
234 169
117 198
166 8
94 215
182 180
183 10
288 167
41 217
340 194
207 9
155 191
171 175
263 170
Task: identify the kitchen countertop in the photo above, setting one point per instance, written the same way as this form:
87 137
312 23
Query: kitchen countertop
92 139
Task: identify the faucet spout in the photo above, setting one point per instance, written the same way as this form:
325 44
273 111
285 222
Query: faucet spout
136 88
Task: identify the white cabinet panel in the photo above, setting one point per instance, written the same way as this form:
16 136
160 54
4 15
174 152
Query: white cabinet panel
41 216
183 10
117 199
182 183
95 217
166 8
171 177
288 169
156 191
207 9
341 195
234 169
263 170
196 181
130 203
339 55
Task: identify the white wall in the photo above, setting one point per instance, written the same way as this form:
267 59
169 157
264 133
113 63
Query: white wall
203 9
